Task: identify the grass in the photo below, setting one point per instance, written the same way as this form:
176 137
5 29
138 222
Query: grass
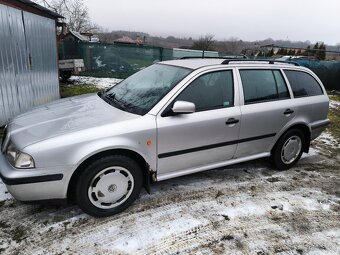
334 128
108 74
334 116
335 97
76 90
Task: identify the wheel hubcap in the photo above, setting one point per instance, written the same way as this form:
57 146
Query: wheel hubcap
291 149
110 187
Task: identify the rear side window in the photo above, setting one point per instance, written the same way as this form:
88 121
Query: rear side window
263 85
303 84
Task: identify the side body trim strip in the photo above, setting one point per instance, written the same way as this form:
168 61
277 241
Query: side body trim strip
212 146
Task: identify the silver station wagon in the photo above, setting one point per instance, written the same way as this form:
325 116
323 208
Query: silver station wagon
170 119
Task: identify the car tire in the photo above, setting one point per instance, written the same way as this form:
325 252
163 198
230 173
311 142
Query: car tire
109 185
288 149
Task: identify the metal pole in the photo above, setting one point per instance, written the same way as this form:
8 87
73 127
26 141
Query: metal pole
161 54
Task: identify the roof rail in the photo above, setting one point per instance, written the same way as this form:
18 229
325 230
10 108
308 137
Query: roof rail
202 57
240 57
270 61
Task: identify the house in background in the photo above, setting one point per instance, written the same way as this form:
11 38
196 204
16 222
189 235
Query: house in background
73 36
128 40
28 57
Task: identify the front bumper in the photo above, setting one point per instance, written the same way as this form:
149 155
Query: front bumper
32 184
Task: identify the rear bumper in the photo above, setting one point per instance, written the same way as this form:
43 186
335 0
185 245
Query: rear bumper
318 127
32 184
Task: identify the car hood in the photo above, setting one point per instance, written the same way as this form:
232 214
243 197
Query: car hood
64 116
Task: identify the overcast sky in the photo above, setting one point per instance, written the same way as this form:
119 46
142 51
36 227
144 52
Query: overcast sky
296 20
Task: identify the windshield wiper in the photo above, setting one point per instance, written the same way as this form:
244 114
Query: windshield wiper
111 100
107 98
120 104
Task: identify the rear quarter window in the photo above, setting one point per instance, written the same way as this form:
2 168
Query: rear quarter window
303 84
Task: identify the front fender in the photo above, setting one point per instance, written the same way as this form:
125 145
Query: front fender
148 152
71 149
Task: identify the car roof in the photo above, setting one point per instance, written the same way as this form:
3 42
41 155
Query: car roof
196 63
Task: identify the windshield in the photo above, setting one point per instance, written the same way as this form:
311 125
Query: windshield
140 92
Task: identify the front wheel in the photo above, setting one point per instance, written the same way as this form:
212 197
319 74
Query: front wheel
288 149
109 185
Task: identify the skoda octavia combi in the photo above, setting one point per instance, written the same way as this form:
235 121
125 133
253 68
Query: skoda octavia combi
170 119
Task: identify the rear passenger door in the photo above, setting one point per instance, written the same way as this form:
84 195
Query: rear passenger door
308 95
266 110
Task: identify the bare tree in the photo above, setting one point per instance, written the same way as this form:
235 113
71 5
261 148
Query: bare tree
75 13
107 37
234 43
204 43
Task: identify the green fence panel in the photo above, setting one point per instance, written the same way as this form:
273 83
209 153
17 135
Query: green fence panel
117 60
122 60
327 71
69 50
167 54
112 60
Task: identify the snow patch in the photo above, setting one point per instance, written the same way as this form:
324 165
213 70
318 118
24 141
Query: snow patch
147 236
102 83
245 206
99 62
246 209
4 194
334 104
62 224
312 152
327 139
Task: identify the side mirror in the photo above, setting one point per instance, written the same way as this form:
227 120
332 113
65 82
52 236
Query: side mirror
183 107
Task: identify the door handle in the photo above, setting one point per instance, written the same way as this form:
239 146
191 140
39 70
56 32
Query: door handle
231 121
288 111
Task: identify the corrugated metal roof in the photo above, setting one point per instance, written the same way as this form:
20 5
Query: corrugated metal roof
79 36
41 8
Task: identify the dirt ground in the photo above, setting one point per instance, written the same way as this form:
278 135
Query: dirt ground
243 209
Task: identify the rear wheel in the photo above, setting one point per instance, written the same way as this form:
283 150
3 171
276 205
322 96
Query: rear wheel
288 149
109 185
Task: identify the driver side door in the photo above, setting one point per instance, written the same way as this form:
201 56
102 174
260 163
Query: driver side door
192 142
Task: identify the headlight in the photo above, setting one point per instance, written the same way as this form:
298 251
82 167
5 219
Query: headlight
19 159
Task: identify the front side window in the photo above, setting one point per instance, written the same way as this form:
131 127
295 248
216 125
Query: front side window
303 84
143 90
263 85
210 91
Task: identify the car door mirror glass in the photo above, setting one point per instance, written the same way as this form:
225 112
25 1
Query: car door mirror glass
183 107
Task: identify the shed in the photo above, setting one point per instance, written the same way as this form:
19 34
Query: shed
28 57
